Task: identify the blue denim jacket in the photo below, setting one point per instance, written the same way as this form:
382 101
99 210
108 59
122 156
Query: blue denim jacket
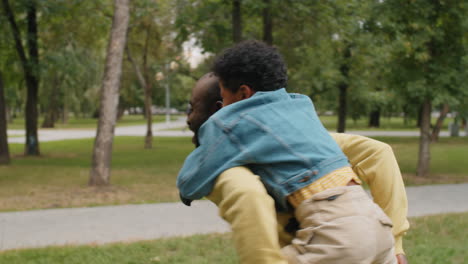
276 134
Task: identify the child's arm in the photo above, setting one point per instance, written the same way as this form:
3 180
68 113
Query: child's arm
201 168
374 162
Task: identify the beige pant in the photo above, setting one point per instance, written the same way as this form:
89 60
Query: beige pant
341 225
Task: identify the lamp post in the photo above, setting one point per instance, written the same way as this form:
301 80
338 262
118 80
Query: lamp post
172 66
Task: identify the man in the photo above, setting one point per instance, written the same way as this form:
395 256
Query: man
245 204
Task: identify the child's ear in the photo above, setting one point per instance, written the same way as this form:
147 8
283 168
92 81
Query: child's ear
245 91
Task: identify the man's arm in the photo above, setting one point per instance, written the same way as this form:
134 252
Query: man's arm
374 162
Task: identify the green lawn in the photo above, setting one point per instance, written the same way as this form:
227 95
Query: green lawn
386 123
78 123
431 240
448 159
58 178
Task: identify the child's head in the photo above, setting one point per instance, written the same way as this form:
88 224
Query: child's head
248 67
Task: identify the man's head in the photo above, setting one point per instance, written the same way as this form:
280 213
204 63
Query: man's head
204 102
248 67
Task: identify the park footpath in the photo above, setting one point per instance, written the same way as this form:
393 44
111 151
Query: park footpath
176 128
129 223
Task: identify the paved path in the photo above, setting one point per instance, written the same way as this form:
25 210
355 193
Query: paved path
173 129
159 129
150 221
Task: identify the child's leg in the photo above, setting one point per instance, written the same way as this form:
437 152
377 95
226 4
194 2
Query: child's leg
244 203
341 225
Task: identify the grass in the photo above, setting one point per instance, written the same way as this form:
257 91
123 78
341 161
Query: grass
58 178
199 249
87 123
438 239
448 157
431 240
386 123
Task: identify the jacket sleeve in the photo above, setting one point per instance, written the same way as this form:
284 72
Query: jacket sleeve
202 166
374 162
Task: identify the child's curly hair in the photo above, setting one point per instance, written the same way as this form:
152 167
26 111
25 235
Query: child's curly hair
251 63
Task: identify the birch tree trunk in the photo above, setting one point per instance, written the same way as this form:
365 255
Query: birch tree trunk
102 152
4 151
425 140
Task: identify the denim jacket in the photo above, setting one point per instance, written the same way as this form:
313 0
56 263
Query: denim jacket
276 134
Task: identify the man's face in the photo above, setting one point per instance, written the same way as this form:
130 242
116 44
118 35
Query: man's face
200 107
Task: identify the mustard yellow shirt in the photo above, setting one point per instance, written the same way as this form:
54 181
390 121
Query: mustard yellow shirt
257 229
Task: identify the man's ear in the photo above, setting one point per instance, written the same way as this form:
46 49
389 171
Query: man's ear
215 107
245 92
219 105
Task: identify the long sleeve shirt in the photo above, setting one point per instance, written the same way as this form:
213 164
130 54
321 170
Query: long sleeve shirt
244 203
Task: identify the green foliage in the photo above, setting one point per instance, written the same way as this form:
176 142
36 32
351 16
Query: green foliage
399 51
428 55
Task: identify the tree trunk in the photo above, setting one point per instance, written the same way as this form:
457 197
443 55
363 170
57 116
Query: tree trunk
149 117
102 152
236 21
51 113
30 69
267 23
9 117
374 118
4 151
341 127
148 94
425 140
65 111
343 91
438 126
420 116
120 112
145 84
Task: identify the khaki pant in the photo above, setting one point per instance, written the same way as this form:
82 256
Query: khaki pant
341 225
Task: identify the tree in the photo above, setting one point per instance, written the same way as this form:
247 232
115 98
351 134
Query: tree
440 120
143 79
30 69
427 60
72 46
236 21
102 152
4 151
267 22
